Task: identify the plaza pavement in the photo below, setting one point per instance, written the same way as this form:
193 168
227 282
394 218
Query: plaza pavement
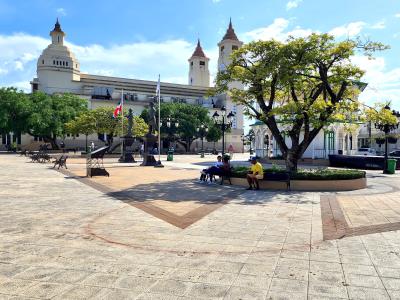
157 234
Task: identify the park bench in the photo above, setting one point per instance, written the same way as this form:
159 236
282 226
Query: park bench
222 178
61 162
279 176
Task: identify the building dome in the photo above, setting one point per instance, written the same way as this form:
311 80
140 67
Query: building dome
57 58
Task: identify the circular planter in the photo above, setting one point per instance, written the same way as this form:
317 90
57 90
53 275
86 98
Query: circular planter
380 141
392 140
309 185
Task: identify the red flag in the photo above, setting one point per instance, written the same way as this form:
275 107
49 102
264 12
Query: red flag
117 110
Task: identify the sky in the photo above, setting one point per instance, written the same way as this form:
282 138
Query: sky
141 39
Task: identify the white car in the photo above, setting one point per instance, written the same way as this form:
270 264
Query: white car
366 151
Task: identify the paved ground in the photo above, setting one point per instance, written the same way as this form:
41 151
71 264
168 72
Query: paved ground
63 237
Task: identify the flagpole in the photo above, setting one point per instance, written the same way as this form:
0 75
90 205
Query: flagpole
122 115
159 120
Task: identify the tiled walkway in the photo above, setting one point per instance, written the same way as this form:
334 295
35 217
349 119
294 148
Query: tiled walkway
63 239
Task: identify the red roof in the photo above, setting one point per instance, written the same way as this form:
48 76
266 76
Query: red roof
230 33
198 51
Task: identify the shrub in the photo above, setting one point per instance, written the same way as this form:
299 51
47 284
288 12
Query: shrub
310 174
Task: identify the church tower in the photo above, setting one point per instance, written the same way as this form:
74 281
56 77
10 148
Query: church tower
227 45
57 67
199 75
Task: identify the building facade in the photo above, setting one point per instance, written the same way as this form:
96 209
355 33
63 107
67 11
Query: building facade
58 71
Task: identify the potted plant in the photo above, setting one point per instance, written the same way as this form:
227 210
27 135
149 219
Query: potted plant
392 139
380 140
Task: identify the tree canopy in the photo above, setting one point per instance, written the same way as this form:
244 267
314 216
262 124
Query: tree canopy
100 120
38 114
189 117
297 87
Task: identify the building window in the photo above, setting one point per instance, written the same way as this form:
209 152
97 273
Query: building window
235 48
54 62
222 48
191 63
63 63
57 62
42 61
76 65
66 63
202 63
58 38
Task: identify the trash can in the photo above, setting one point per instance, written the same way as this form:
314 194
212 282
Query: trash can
170 156
391 165
202 154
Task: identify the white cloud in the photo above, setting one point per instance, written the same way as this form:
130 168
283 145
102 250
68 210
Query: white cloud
216 1
383 83
141 60
293 4
277 31
379 25
61 11
348 30
397 15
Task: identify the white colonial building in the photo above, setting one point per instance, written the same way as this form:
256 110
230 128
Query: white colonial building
58 71
334 139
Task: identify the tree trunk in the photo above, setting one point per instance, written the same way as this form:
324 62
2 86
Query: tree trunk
291 161
52 141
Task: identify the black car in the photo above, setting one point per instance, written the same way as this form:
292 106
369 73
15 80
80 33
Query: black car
395 153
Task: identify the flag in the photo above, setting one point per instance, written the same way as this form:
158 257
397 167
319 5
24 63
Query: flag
117 110
120 105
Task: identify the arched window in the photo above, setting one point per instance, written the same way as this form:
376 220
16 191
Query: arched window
58 38
54 62
42 61
57 62
66 63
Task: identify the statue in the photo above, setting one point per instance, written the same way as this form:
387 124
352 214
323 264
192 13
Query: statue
152 118
130 122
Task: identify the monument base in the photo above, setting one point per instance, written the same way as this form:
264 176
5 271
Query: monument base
127 157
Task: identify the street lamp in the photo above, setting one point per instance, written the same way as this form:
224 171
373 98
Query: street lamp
243 139
202 131
387 128
224 122
170 124
251 137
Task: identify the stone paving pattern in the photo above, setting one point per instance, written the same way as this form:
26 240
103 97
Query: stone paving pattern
62 239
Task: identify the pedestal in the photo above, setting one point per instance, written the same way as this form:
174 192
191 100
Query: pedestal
148 158
127 151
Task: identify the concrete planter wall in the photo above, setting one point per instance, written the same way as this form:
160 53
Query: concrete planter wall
309 185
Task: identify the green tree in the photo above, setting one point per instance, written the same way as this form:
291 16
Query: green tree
15 109
101 120
214 134
189 118
297 87
50 113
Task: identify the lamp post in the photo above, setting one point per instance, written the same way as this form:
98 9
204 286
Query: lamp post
170 124
224 122
243 139
250 138
387 128
202 131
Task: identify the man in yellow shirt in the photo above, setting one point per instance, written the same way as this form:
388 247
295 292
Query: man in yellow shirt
256 173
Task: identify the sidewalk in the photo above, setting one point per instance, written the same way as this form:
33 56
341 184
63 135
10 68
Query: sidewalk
64 239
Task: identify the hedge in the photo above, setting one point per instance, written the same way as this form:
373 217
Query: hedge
310 174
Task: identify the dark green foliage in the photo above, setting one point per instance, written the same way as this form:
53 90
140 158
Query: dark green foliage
315 174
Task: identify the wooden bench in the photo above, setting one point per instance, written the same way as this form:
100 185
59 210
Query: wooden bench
61 162
279 176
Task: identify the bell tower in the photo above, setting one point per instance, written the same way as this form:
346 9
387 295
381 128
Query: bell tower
199 75
227 45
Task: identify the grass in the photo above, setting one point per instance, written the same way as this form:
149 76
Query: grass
307 174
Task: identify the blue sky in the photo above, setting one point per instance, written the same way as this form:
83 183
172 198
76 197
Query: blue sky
139 39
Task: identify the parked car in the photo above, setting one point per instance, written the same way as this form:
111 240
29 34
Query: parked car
395 153
366 152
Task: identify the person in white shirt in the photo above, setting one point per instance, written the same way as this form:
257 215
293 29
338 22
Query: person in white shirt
217 164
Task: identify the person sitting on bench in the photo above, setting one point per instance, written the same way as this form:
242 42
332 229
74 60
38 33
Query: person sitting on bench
256 173
217 164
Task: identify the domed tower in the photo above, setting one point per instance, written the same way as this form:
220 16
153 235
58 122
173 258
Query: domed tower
57 67
199 75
